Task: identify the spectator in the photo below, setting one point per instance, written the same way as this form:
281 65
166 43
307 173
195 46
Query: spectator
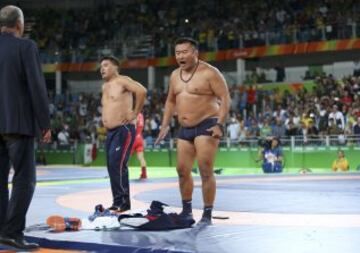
272 156
63 137
292 130
233 130
356 128
341 163
278 129
337 116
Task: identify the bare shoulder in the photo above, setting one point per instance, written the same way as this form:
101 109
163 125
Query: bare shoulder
209 70
122 79
174 74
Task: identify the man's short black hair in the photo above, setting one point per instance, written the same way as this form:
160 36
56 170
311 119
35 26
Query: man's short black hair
183 40
111 58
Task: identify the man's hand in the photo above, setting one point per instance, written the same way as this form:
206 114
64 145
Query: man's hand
163 132
215 131
46 136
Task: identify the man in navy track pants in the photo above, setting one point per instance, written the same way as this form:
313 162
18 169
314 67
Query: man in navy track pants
118 115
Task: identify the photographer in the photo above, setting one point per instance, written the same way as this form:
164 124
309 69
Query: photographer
271 155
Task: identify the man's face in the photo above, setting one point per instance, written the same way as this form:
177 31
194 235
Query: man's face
186 55
107 69
274 143
340 154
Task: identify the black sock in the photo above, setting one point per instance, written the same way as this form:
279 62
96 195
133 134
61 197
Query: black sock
187 207
207 213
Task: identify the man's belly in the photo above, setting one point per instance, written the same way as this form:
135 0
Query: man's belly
190 118
113 117
193 109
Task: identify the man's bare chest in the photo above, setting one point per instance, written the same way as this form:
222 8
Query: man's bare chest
195 87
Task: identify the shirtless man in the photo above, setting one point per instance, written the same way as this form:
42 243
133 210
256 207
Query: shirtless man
118 117
198 93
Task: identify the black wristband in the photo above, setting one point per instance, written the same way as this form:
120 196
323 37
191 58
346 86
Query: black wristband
221 126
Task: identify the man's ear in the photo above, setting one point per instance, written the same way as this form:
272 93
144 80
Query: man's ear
19 27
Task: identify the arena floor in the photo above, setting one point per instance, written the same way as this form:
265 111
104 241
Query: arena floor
267 213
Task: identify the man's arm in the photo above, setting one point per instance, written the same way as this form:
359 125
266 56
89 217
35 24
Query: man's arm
140 94
37 88
168 111
221 91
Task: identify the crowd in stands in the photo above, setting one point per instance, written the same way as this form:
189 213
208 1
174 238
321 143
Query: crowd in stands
73 35
331 108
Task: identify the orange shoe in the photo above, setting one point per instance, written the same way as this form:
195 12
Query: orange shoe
61 224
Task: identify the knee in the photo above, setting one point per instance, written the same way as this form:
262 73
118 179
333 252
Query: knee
182 173
206 175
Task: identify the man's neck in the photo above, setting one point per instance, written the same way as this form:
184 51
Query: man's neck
112 78
12 31
192 67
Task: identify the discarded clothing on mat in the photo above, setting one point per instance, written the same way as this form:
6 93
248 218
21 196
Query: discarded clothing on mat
100 211
101 219
101 223
155 219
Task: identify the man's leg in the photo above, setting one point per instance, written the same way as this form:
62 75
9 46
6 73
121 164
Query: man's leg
21 153
141 158
4 177
206 149
20 150
118 152
185 160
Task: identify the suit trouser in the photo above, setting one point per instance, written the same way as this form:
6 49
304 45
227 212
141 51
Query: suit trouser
119 142
19 151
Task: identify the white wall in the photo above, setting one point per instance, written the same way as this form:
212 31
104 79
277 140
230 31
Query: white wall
85 86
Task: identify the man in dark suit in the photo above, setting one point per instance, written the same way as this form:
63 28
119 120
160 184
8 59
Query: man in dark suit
24 113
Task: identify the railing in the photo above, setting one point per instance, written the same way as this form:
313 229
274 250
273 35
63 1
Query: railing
291 143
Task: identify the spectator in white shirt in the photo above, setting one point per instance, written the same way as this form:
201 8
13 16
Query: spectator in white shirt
233 130
337 116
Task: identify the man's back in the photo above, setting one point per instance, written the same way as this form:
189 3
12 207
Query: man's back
23 99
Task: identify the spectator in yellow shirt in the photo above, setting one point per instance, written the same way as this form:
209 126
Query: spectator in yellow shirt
101 132
341 163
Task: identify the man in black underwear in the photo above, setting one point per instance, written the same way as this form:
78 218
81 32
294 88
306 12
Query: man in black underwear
199 94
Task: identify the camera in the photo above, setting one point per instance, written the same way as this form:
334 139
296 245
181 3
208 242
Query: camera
265 143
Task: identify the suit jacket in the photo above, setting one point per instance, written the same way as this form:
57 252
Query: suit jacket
24 105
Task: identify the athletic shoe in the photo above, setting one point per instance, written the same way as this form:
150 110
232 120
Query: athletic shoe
142 176
101 223
117 209
186 216
203 222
